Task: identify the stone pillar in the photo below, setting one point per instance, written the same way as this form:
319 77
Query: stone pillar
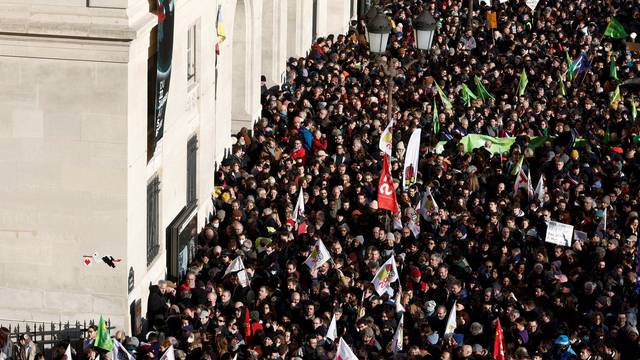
241 71
339 15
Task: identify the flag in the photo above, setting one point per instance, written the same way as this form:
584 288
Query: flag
634 111
436 119
386 139
443 98
396 343
563 89
467 95
529 185
398 301
615 30
298 211
451 321
499 347
518 165
522 84
386 189
247 325
169 354
569 65
67 353
386 274
538 194
613 69
120 353
482 91
521 181
581 63
615 98
103 339
411 159
318 257
220 34
602 226
237 266
332 333
344 352
427 204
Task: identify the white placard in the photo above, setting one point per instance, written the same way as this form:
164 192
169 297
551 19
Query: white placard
559 233
532 4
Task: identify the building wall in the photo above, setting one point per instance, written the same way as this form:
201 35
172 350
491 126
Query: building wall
63 173
73 129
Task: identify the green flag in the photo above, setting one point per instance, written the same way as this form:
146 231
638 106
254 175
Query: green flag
443 97
563 89
615 98
615 30
436 120
569 65
518 166
522 84
613 69
482 91
634 111
607 135
467 95
103 339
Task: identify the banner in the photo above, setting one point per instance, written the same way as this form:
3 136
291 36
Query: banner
411 159
386 139
498 145
559 233
164 58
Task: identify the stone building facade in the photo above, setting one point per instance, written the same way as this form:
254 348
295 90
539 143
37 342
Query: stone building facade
81 171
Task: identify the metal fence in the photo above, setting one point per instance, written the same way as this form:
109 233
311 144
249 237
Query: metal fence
46 335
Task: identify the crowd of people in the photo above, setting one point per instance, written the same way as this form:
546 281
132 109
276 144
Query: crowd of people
479 245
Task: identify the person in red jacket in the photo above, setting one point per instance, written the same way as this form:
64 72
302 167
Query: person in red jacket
299 152
319 142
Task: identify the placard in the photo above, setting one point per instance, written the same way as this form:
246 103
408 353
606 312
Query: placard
492 20
559 233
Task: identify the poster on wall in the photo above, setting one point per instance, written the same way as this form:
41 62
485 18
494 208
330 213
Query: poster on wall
165 51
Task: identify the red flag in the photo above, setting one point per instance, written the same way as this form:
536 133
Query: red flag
386 190
247 326
498 343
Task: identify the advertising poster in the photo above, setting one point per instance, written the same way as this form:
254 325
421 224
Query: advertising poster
165 50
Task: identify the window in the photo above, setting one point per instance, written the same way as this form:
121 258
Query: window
191 54
192 170
153 216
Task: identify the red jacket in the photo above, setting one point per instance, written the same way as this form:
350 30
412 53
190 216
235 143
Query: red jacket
299 154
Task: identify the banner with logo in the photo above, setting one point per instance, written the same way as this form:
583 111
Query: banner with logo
411 160
165 51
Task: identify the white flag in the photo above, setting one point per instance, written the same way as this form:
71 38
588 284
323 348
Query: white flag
427 204
344 351
539 192
451 320
237 266
67 352
396 344
387 274
521 181
120 353
386 139
319 256
529 185
411 160
298 211
332 333
169 354
398 301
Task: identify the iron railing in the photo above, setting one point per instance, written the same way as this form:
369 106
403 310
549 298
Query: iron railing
46 335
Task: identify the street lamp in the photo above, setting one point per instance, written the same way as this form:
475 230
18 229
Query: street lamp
373 11
425 27
379 30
